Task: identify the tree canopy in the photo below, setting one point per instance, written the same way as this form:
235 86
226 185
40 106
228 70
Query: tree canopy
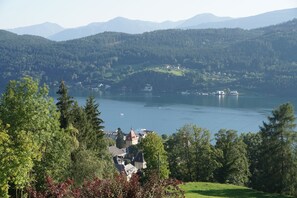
191 156
235 164
155 155
32 133
278 151
64 105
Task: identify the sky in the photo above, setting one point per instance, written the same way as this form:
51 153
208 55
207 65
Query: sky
74 13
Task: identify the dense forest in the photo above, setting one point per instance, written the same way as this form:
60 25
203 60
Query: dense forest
260 60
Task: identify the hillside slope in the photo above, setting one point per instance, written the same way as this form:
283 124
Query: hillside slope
261 60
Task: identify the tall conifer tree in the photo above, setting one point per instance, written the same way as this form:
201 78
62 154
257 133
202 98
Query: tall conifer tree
93 116
120 142
278 159
64 105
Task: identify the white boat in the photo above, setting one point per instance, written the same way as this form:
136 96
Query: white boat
185 93
220 93
148 88
233 93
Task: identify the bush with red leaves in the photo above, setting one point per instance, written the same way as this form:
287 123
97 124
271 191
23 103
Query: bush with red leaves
117 187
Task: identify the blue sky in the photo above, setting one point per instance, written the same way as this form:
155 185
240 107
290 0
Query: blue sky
73 13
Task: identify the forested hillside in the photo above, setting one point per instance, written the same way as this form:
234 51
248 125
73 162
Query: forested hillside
260 60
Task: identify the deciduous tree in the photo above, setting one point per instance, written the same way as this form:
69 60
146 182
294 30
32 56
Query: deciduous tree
31 113
180 155
235 166
204 154
253 142
155 155
17 155
191 156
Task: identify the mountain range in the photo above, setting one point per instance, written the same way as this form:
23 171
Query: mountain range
202 21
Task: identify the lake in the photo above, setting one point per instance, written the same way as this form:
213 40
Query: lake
165 113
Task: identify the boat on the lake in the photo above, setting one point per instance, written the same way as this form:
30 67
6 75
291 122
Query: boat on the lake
220 93
148 88
233 93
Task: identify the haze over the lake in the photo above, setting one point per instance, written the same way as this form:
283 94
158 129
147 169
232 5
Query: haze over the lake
73 13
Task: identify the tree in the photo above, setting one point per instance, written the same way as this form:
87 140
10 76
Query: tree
86 165
30 112
91 158
191 156
179 157
17 155
64 105
253 142
235 167
80 123
120 142
204 154
93 114
87 129
164 136
56 160
96 133
155 155
278 157
26 106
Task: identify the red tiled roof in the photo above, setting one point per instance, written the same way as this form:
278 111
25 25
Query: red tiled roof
131 136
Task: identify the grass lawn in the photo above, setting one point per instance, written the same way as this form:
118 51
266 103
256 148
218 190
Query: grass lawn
211 190
174 72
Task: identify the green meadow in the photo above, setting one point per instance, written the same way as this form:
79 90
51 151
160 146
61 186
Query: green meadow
215 190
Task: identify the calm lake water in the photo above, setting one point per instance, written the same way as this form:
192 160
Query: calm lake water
166 113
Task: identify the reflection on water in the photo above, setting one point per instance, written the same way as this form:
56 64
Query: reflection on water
165 113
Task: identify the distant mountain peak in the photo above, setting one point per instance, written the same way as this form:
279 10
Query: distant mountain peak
49 23
119 18
45 29
205 15
203 18
123 19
